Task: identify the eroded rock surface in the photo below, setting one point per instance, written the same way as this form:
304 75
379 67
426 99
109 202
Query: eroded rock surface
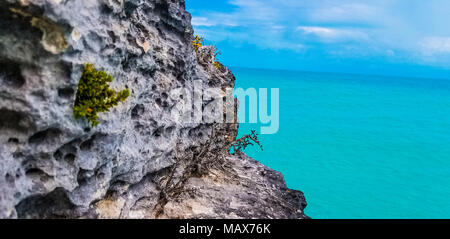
140 162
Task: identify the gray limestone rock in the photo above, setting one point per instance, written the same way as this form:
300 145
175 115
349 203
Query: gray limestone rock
140 162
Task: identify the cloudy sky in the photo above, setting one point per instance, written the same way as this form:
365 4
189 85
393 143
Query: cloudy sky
392 37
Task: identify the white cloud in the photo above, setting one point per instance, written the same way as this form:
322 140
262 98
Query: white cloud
219 20
435 45
352 27
345 12
252 21
332 34
202 21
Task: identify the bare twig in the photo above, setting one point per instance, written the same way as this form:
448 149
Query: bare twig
246 140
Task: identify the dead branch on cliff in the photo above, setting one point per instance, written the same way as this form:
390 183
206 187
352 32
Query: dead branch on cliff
198 164
241 144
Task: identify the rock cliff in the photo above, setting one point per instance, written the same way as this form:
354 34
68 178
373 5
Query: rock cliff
140 162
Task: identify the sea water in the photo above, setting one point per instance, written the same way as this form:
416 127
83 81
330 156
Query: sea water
359 146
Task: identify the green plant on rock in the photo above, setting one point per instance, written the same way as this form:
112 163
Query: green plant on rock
218 65
94 95
197 42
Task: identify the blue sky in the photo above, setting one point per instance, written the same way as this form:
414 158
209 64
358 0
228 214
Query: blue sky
389 37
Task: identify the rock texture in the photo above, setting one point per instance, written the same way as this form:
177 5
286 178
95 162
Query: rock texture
243 189
140 162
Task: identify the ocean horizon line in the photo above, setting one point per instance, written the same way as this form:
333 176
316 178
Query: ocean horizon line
339 73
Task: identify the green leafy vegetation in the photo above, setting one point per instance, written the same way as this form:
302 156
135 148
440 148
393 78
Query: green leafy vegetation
218 65
197 42
94 95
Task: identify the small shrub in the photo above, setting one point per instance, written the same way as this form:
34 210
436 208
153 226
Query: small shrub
197 42
241 144
218 65
94 95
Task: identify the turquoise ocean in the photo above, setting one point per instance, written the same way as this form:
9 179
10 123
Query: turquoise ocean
359 146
